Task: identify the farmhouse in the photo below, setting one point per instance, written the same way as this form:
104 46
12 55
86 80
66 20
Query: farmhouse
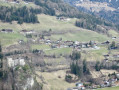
106 42
21 41
69 43
63 19
80 86
7 30
27 32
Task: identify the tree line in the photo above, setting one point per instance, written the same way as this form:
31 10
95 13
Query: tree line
77 69
23 14
92 24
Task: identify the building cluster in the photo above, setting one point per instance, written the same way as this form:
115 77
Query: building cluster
15 62
25 32
63 19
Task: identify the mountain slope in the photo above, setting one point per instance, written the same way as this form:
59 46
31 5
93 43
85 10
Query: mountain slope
26 14
107 9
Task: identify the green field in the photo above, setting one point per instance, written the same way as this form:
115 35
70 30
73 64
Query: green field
82 35
111 88
41 47
63 51
113 33
46 22
49 51
95 55
10 38
50 22
54 60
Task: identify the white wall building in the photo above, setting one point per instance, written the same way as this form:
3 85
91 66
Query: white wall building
12 63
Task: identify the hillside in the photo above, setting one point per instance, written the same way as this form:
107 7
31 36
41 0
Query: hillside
111 3
107 9
51 45
47 22
49 7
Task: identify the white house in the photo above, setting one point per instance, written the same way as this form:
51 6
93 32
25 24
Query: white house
76 42
80 86
12 63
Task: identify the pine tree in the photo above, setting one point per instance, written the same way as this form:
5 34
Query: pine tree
97 66
85 68
1 55
1 62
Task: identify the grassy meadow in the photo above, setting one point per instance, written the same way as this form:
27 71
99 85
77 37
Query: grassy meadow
82 35
50 22
41 47
53 82
110 88
57 52
7 39
95 55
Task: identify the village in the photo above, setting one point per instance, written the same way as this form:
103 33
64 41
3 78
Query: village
22 52
59 45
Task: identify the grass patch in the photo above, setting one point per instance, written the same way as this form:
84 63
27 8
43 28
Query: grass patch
58 51
110 88
93 55
113 33
46 22
101 51
55 83
54 60
50 22
41 47
10 38
83 35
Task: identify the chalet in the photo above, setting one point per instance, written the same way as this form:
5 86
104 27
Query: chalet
84 45
46 33
112 81
53 46
69 43
23 31
21 41
106 83
107 55
63 19
117 75
114 37
17 2
48 41
7 30
96 47
27 31
80 86
107 42
106 59
116 56
38 51
76 42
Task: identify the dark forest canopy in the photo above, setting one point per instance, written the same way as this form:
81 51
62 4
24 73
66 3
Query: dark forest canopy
18 14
